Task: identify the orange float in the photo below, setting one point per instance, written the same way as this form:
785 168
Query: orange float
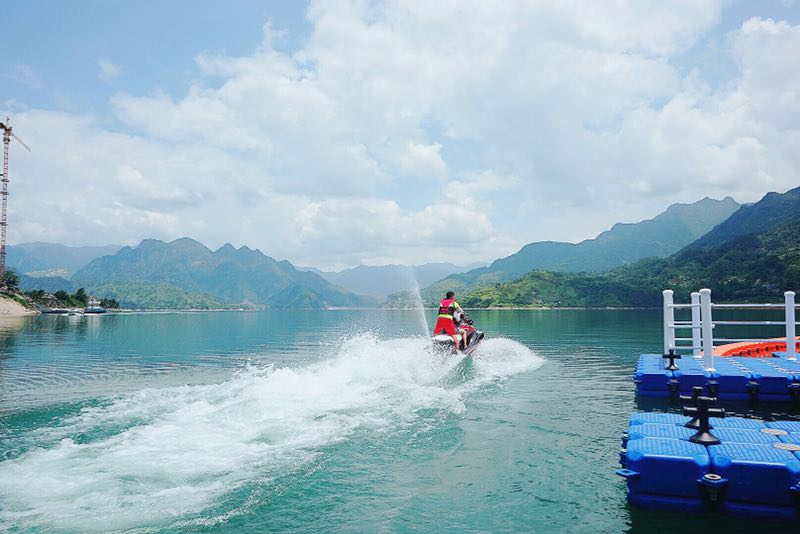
754 349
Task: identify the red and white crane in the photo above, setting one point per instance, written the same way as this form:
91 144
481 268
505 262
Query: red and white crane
7 135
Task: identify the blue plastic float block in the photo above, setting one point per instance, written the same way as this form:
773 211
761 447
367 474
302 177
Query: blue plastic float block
638 418
782 355
653 383
656 430
694 362
781 360
756 474
791 365
652 360
691 377
732 380
773 384
665 466
736 422
651 377
788 426
791 438
675 431
744 435
790 369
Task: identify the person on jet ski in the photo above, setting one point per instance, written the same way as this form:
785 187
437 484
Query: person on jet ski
444 322
465 328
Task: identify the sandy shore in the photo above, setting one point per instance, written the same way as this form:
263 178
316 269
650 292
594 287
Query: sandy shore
12 308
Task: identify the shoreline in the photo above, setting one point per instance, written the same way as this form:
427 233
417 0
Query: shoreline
342 308
11 308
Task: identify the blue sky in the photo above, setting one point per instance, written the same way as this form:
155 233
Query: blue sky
153 43
341 132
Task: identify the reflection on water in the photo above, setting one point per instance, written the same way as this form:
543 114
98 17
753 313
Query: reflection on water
10 328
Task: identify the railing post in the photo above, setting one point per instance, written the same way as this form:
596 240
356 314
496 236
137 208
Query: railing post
669 321
695 323
790 328
707 326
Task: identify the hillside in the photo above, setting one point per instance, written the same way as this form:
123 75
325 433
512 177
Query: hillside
624 243
233 276
738 264
11 306
770 211
51 284
158 296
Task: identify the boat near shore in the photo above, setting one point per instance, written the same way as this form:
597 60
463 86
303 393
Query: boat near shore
94 307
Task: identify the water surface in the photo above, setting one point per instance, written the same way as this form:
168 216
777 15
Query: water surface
322 422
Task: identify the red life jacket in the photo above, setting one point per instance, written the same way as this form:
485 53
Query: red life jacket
447 307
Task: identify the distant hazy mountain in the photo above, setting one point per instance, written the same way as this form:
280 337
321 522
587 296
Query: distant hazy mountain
380 281
624 243
229 274
53 258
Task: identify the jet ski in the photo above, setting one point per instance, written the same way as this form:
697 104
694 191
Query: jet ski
443 343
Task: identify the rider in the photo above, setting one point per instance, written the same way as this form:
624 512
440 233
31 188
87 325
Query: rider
444 323
465 328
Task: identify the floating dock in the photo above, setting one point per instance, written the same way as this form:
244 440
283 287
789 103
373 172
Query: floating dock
733 378
734 465
752 469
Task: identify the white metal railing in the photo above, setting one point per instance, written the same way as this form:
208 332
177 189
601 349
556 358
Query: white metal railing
702 324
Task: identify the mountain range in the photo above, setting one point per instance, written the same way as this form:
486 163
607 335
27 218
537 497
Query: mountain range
624 243
752 255
234 276
710 242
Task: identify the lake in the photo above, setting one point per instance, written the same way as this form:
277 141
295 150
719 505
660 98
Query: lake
323 421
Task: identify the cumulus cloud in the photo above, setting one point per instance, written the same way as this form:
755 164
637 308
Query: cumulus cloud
416 131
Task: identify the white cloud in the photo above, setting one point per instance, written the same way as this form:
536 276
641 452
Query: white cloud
407 132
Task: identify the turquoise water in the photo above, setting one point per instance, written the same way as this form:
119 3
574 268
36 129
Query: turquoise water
322 422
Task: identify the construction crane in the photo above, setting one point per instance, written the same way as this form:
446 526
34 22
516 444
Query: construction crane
7 135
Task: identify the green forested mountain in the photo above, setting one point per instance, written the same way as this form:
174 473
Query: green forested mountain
623 244
157 296
746 260
767 213
233 276
51 284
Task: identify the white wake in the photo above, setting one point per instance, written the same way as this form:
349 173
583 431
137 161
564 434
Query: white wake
160 454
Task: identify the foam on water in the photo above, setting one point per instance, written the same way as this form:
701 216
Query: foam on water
152 457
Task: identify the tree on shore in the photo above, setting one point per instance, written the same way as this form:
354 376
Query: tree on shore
81 297
10 280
